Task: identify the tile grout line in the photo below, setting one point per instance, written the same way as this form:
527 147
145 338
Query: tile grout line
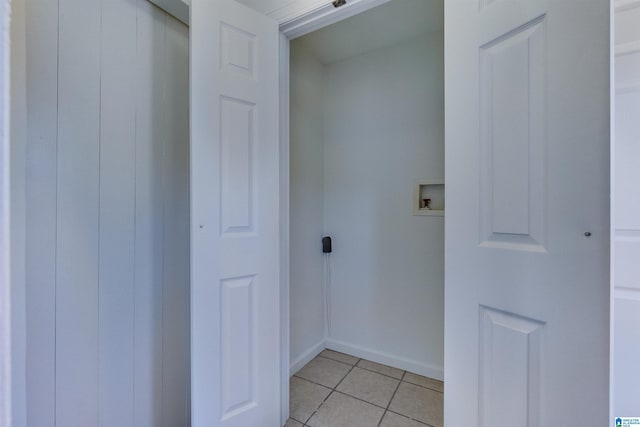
424 386
421 386
338 360
404 372
351 368
368 370
330 358
427 388
392 397
357 398
388 376
333 390
340 382
313 382
409 418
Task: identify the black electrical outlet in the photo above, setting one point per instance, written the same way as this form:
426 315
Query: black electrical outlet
326 245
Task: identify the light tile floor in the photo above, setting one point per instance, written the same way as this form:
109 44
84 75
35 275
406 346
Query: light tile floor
338 390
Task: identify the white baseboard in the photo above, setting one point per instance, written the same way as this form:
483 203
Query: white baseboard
420 368
306 357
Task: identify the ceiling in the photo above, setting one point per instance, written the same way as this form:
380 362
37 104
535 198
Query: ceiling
386 25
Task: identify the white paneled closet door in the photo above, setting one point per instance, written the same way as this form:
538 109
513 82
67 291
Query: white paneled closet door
235 218
527 227
107 197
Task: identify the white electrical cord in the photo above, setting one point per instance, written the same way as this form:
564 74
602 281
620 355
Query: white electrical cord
327 296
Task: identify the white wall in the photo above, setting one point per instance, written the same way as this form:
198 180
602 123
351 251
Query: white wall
626 308
307 204
107 215
381 129
384 120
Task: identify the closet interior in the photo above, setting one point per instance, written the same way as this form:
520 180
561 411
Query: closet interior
366 169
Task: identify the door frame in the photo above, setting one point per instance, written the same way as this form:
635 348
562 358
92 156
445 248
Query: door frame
5 238
304 23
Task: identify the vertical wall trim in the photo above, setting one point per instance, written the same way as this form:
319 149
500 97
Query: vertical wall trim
101 47
134 328
612 200
284 226
55 232
99 211
163 186
149 216
176 222
5 240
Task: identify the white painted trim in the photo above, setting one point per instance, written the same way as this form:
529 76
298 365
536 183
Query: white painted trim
306 357
294 9
323 15
624 5
625 290
431 371
612 185
627 87
626 235
5 239
296 27
628 48
284 228
627 293
292 17
179 9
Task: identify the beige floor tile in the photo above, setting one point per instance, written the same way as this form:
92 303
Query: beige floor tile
340 357
424 381
369 386
382 369
340 410
419 403
305 398
324 371
394 420
292 423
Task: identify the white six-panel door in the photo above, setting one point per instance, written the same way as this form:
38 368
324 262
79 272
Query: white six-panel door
235 227
527 227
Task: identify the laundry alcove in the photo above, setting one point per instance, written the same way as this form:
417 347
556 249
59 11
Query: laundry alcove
367 122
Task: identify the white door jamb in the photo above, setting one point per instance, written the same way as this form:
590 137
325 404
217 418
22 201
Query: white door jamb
293 28
5 242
